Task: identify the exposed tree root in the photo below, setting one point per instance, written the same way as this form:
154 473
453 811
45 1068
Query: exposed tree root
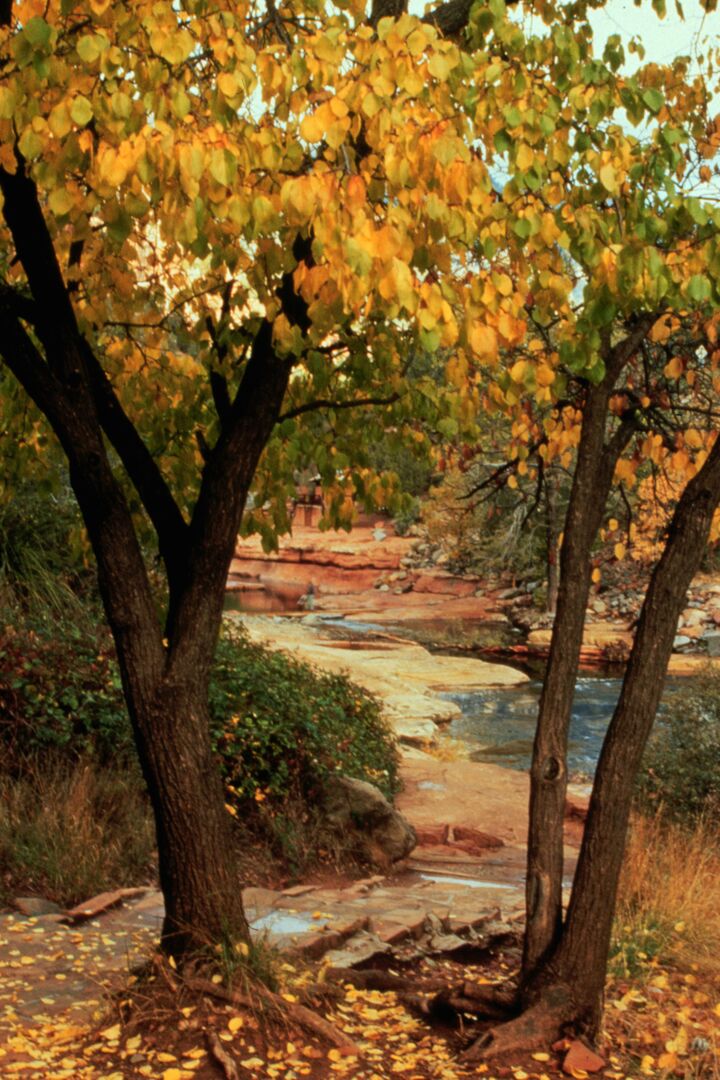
302 1016
221 1056
536 1028
376 979
480 999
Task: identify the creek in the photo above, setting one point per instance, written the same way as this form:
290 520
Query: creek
499 725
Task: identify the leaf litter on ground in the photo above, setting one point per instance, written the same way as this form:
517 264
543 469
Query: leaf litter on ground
58 1022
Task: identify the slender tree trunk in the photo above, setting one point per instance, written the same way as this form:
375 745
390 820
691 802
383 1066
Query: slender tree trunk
552 535
566 990
548 774
581 960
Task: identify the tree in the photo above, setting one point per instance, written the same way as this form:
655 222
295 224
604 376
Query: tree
207 243
228 234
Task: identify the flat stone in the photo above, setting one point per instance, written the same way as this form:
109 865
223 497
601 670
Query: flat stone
390 932
358 950
680 640
475 839
580 1056
432 834
299 890
34 906
101 903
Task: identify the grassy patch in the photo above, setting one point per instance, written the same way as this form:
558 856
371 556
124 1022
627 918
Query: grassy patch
669 900
71 830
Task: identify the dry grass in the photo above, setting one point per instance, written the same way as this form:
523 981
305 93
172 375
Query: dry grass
70 830
669 899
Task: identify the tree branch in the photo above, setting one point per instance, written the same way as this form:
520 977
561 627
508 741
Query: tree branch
325 403
141 467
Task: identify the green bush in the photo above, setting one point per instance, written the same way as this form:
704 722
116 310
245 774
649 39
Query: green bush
280 727
681 770
60 690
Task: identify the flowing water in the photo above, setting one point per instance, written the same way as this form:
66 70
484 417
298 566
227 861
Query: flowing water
499 725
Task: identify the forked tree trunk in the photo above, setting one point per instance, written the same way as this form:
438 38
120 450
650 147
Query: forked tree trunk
581 960
165 682
548 773
566 990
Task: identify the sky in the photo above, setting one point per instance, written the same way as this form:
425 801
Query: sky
662 39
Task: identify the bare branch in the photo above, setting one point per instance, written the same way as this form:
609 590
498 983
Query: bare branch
325 403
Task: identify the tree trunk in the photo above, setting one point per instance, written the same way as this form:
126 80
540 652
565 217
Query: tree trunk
552 535
581 960
566 990
198 871
548 774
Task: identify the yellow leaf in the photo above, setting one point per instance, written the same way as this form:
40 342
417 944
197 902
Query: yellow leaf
172 1074
483 341
544 375
227 84
112 1034
312 127
525 157
59 120
596 576
673 369
235 1023
517 371
608 178
619 551
60 201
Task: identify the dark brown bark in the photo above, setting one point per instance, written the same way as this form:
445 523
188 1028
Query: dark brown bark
548 775
165 683
552 536
566 990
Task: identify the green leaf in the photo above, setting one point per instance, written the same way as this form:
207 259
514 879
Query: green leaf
699 288
37 31
654 99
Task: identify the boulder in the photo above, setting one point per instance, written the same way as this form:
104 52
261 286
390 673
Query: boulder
354 806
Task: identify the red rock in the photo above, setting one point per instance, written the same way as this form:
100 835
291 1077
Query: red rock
580 1056
101 903
432 834
575 810
466 835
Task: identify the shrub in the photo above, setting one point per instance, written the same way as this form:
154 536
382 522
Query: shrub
280 726
60 691
681 770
